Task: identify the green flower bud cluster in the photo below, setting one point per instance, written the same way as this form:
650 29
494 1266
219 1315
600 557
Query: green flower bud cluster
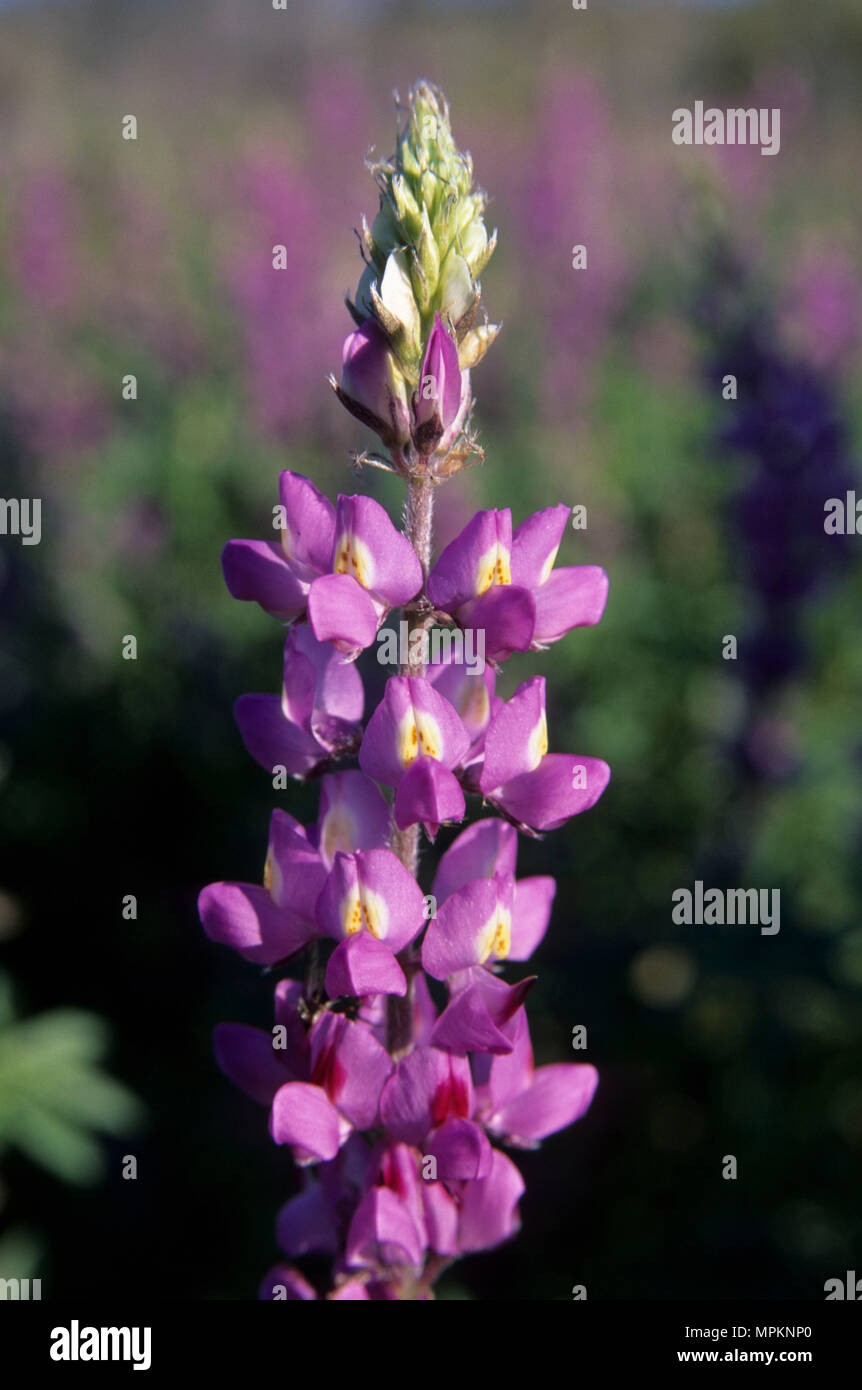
428 244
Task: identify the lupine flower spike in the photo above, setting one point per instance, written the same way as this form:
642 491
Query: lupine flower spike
397 1100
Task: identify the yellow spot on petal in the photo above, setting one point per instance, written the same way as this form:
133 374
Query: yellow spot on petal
537 745
485 571
430 740
375 915
408 740
486 938
493 568
364 910
503 937
548 565
353 557
495 938
351 913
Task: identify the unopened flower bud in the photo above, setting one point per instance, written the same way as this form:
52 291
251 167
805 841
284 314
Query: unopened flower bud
372 388
442 399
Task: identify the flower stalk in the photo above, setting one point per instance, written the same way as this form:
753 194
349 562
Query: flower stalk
397 1111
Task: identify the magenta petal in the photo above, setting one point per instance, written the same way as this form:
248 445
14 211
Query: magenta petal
372 891
243 916
470 694
441 364
486 848
488 1208
430 793
511 740
456 576
247 1058
412 719
319 685
352 815
384 1231
459 935
309 534
502 1078
283 1282
257 571
506 615
535 545
437 404
295 873
370 386
570 598
557 1096
342 612
427 1087
482 1017
271 738
351 1065
462 1151
531 912
440 1212
304 1117
306 1224
382 557
360 966
545 798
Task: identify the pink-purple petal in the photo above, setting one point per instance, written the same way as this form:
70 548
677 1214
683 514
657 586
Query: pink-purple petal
573 597
531 913
258 572
361 966
304 1117
557 1096
453 940
342 612
248 1059
489 1207
243 916
428 793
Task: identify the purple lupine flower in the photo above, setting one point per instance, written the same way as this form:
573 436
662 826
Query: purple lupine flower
344 568
506 585
392 1106
316 717
413 740
535 788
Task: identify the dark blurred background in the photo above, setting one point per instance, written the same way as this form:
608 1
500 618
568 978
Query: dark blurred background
153 257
